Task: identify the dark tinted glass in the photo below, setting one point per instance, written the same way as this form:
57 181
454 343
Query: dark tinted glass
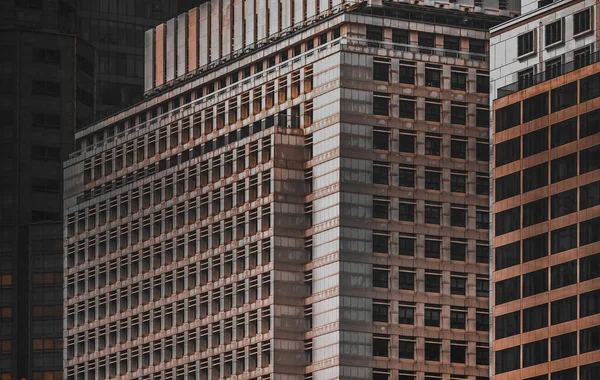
535 107
564 203
508 359
535 142
535 247
589 231
563 310
563 346
535 282
507 290
589 195
589 123
563 168
589 303
535 177
508 117
508 255
508 186
563 239
589 159
508 325
563 97
535 353
507 221
563 274
564 132
508 151
535 212
589 267
535 317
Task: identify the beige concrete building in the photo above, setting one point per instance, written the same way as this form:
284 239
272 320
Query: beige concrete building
302 195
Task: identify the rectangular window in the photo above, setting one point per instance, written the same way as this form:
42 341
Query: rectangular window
406 347
508 117
589 267
458 284
380 310
433 178
374 33
564 132
381 345
381 103
535 282
564 239
482 117
589 195
554 68
381 172
406 176
525 78
535 318
458 113
508 220
589 88
589 339
381 206
508 151
433 75
400 36
406 245
458 181
564 203
588 231
458 352
589 159
535 212
46 55
406 210
407 72
589 124
432 315
563 310
535 142
508 359
406 141
563 168
381 241
508 186
458 79
483 82
508 255
582 22
482 218
564 346
46 88
525 44
406 279
535 247
433 109
553 33
381 69
477 46
589 371
451 43
406 314
381 276
458 318
508 290
432 349
482 184
407 107
535 177
381 138
433 246
563 97
589 303
562 275
433 143
482 320
432 213
535 353
426 40
582 57
458 215
535 107
565 374
433 282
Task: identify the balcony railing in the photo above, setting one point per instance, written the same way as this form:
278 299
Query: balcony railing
544 76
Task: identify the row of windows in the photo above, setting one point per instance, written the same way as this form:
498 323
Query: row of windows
432 316
539 140
386 374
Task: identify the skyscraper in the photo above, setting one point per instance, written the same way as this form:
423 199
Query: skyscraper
546 201
303 194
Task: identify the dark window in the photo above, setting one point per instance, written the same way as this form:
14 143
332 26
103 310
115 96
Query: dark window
458 183
380 172
432 247
482 357
564 132
589 231
589 339
483 83
563 274
381 69
458 148
482 118
564 239
535 317
553 33
432 77
407 107
458 80
406 280
45 88
564 346
426 39
563 97
380 345
458 216
458 285
432 283
381 103
381 139
508 325
374 33
433 180
525 78
589 124
406 347
406 141
477 46
563 168
589 195
406 246
482 252
535 353
535 282
432 146
508 290
582 22
535 142
508 186
482 218
432 351
589 371
406 210
553 68
482 322
46 55
380 311
508 359
589 304
380 277
535 247
380 242
589 267
482 185
508 255
525 43
458 113
458 353
535 107
535 177
508 117
407 72
582 57
406 315
565 374
563 310
535 212
407 375
432 214
432 317
483 151
458 320
589 88
508 151
45 153
507 221
432 110
451 43
400 36
406 177
589 160
458 250
45 120
564 203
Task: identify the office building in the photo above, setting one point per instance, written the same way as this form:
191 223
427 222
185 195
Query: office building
303 194
546 193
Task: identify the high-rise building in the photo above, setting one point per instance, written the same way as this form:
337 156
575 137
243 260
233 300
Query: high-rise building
546 193
303 194
46 73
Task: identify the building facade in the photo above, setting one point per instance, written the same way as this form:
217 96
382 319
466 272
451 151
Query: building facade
546 193
303 194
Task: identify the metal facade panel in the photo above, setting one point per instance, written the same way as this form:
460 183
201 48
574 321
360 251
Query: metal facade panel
273 27
298 11
238 25
171 49
226 27
149 60
203 31
192 39
182 41
215 30
311 8
286 14
323 6
249 20
261 11
160 55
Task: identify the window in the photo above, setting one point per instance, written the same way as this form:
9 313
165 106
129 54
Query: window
44 185
589 339
458 147
406 245
483 82
451 43
374 33
563 274
535 177
433 246
458 79
381 345
563 168
535 107
482 252
381 103
380 276
483 150
380 241
582 22
589 160
46 153
458 284
406 141
535 353
458 215
507 221
432 213
407 72
535 318
589 123
482 184
582 57
508 290
525 44
589 371
381 207
406 176
508 255
482 357
380 310
589 267
563 310
46 55
433 109
508 151
380 374
589 88
432 315
432 349
565 374
482 218
406 210
407 375
564 203
508 186
564 346
45 120
477 46
563 97
432 282
433 74
589 195
588 231
381 69
525 78
508 117
381 172
564 132
482 321
407 107
406 279
458 319
482 117
553 33
553 68
535 212
458 113
564 239
381 138
426 40
433 144
46 88
458 182
589 304
508 359
458 352
535 142
406 314
406 347
433 178
482 287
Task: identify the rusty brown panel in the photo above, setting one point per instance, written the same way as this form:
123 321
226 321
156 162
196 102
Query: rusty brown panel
160 54
193 39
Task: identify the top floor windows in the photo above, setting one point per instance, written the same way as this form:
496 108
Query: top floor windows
525 44
582 22
553 33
